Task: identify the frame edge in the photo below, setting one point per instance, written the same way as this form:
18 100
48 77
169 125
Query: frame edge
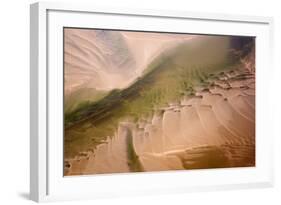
38 103
34 40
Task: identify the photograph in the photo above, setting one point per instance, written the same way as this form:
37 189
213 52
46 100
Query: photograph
146 101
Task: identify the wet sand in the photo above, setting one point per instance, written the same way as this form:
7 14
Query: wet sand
113 60
213 129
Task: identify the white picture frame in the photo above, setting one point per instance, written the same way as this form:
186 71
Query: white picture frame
46 179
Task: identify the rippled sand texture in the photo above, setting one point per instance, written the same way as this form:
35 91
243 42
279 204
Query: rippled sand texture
215 128
106 59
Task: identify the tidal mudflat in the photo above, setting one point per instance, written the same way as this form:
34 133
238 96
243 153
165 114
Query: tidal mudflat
143 101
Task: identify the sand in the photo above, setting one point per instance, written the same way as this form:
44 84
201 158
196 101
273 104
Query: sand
215 128
111 60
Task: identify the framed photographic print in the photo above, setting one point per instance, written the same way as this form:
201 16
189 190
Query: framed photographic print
128 102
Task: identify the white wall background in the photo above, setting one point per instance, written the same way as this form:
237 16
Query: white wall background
14 101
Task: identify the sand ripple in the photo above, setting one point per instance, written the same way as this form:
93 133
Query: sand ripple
215 128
